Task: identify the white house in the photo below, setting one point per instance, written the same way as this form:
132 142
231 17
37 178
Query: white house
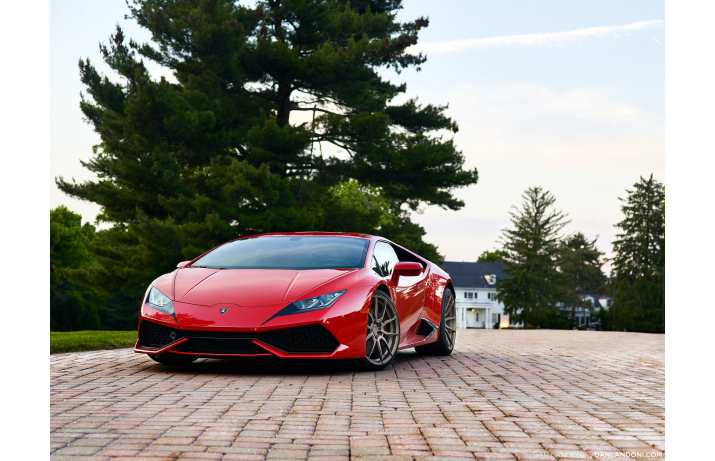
475 286
583 316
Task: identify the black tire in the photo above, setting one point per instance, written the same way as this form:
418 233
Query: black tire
382 336
447 329
172 359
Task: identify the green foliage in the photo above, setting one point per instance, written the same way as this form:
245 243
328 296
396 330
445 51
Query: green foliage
72 306
222 153
605 318
638 271
580 261
494 256
364 209
533 285
75 341
555 319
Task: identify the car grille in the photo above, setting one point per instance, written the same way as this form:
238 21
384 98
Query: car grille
308 339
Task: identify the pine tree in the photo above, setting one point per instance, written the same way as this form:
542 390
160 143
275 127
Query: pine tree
533 286
581 262
638 271
224 152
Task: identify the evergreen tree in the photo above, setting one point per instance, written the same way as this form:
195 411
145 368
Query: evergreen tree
638 271
533 285
72 306
235 147
495 256
580 261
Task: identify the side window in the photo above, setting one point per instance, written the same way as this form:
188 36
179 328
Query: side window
375 266
406 256
386 258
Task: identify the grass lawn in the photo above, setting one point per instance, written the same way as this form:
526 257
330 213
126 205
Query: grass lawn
74 341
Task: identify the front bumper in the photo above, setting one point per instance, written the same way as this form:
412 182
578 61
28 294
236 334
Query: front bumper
334 333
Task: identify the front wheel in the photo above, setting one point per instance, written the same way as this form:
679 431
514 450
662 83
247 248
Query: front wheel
383 333
172 359
447 329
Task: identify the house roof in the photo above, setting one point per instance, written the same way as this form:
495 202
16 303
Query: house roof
596 298
471 275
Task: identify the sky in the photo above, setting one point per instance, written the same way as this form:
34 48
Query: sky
565 95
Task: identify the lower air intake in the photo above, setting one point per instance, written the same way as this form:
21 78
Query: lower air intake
155 336
315 339
308 339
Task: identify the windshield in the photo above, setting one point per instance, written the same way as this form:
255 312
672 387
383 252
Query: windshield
296 253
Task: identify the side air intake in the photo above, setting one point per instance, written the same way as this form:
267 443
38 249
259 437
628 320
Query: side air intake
426 328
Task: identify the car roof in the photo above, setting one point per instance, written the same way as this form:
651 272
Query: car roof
316 234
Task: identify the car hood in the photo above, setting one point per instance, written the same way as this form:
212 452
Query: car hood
247 287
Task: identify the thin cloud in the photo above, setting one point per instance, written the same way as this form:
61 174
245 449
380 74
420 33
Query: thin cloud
551 38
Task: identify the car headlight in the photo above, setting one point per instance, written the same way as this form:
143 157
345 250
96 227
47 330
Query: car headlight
319 302
160 301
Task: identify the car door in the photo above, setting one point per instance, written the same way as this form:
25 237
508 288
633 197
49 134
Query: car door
416 286
408 293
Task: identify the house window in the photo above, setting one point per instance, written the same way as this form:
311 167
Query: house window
494 318
492 296
470 295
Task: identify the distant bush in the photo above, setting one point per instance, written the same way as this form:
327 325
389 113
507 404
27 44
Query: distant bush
72 306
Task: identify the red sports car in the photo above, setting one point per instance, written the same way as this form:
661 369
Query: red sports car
300 295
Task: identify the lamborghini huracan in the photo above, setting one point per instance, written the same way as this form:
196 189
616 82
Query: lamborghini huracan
300 295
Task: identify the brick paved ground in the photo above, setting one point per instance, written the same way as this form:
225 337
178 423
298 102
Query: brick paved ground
501 395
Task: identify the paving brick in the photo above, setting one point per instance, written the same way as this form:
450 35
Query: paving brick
71 450
242 457
501 395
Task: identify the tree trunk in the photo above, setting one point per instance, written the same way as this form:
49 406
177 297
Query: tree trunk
613 308
283 115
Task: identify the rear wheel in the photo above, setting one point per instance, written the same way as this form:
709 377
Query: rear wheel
382 335
447 329
172 359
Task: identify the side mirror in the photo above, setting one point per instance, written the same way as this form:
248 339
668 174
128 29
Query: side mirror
405 269
182 264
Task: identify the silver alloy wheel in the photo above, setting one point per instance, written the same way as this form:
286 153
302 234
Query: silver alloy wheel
383 331
450 321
